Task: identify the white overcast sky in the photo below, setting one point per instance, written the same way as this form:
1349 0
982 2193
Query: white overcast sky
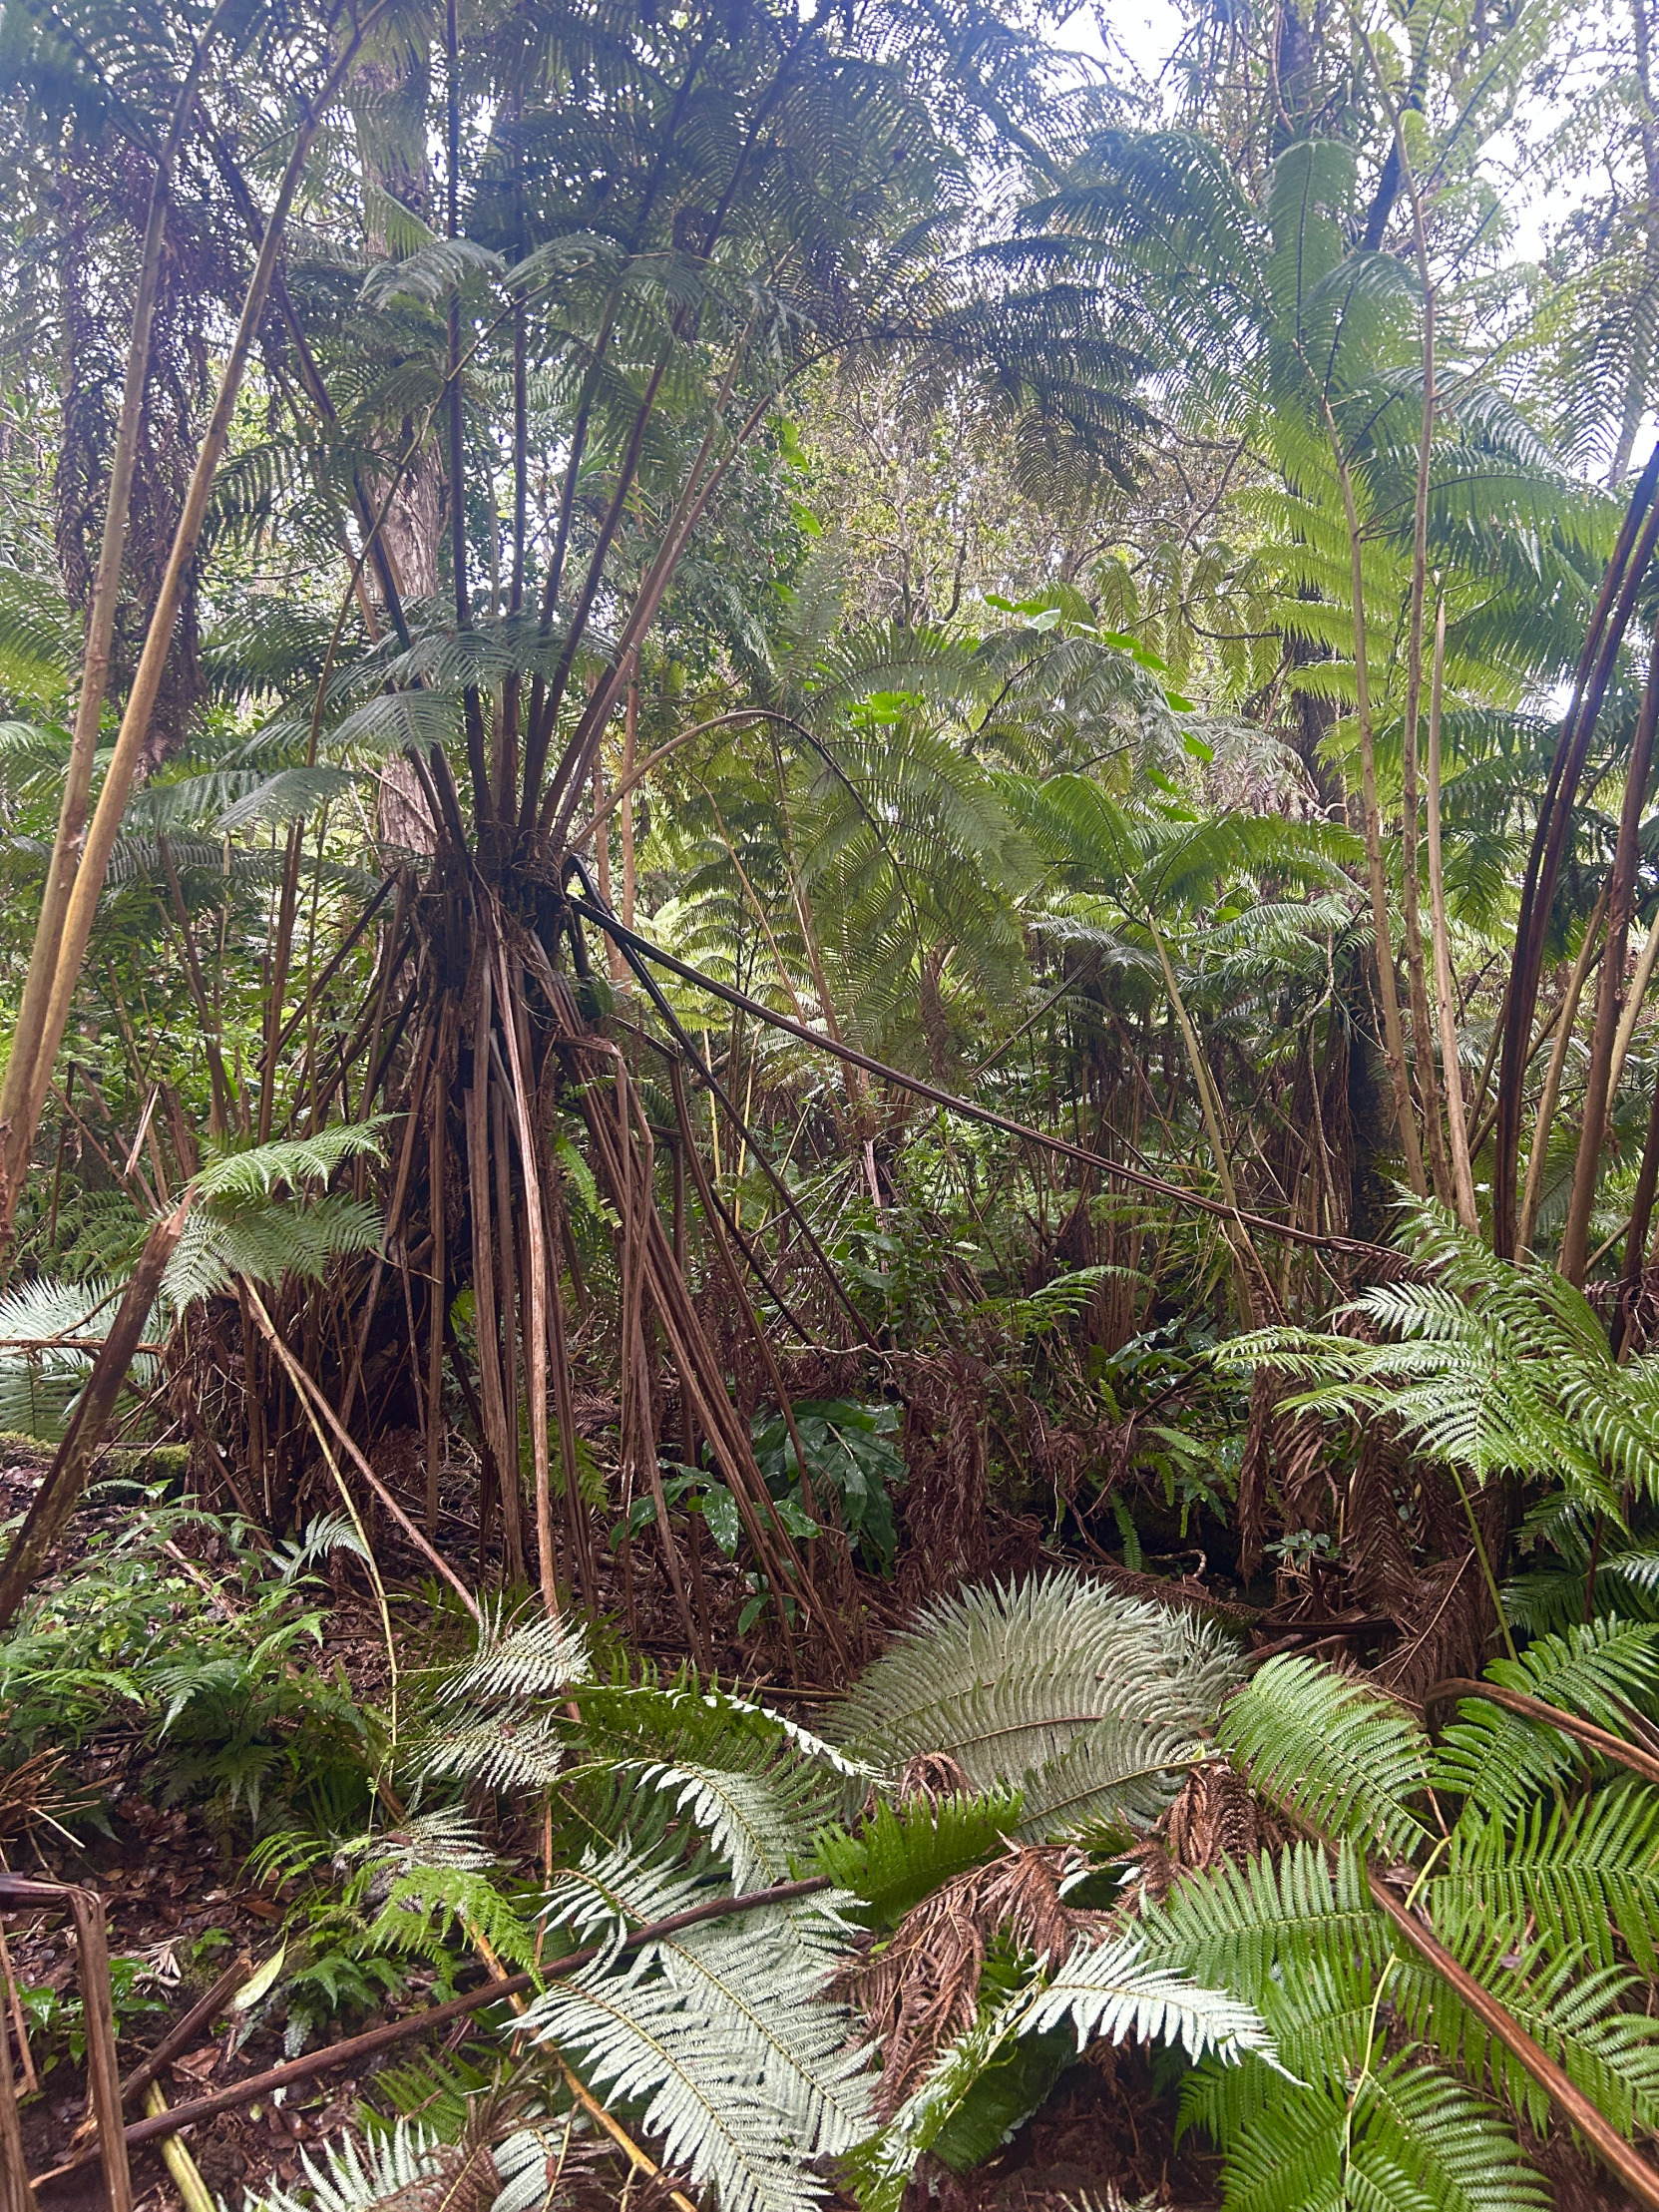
1146 33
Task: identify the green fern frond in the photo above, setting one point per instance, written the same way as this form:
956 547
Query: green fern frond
1586 1871
1497 1368
1332 1752
727 1765
1499 1761
41 1375
267 1242
1588 2022
236 1177
1404 2138
426 1905
899 1854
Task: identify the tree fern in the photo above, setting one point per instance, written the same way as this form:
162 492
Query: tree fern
1333 1752
1088 1703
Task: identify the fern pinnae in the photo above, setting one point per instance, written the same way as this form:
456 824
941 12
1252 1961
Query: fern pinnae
1582 2018
1108 1990
1332 1752
1119 1688
358 2173
510 1752
538 1657
744 2069
1497 1760
1582 1871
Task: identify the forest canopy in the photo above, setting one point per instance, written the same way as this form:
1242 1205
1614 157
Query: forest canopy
829 1294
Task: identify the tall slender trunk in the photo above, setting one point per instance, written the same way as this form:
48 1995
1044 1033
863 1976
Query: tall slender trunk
630 750
1609 1004
478 765
1416 976
1445 990
1553 1079
1615 603
1394 1043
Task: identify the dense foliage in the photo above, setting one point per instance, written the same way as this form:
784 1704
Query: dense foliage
829 1129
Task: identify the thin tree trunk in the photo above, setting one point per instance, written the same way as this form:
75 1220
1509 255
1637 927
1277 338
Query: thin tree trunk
510 1318
536 1334
71 1467
1416 974
631 749
1633 998
1639 349
1614 606
1553 1079
1609 1006
1635 1237
478 765
1416 979
1445 990
438 1297
484 1268
1394 1043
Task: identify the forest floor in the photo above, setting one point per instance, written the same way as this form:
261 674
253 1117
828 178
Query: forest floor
183 1902
181 1905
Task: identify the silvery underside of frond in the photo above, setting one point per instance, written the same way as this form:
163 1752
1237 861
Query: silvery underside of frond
50 1332
1089 1701
358 2173
746 2072
535 1657
503 1752
445 1836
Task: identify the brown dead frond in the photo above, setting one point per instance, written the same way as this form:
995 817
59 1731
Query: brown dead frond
946 1418
33 1792
918 1988
933 1776
1216 1816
